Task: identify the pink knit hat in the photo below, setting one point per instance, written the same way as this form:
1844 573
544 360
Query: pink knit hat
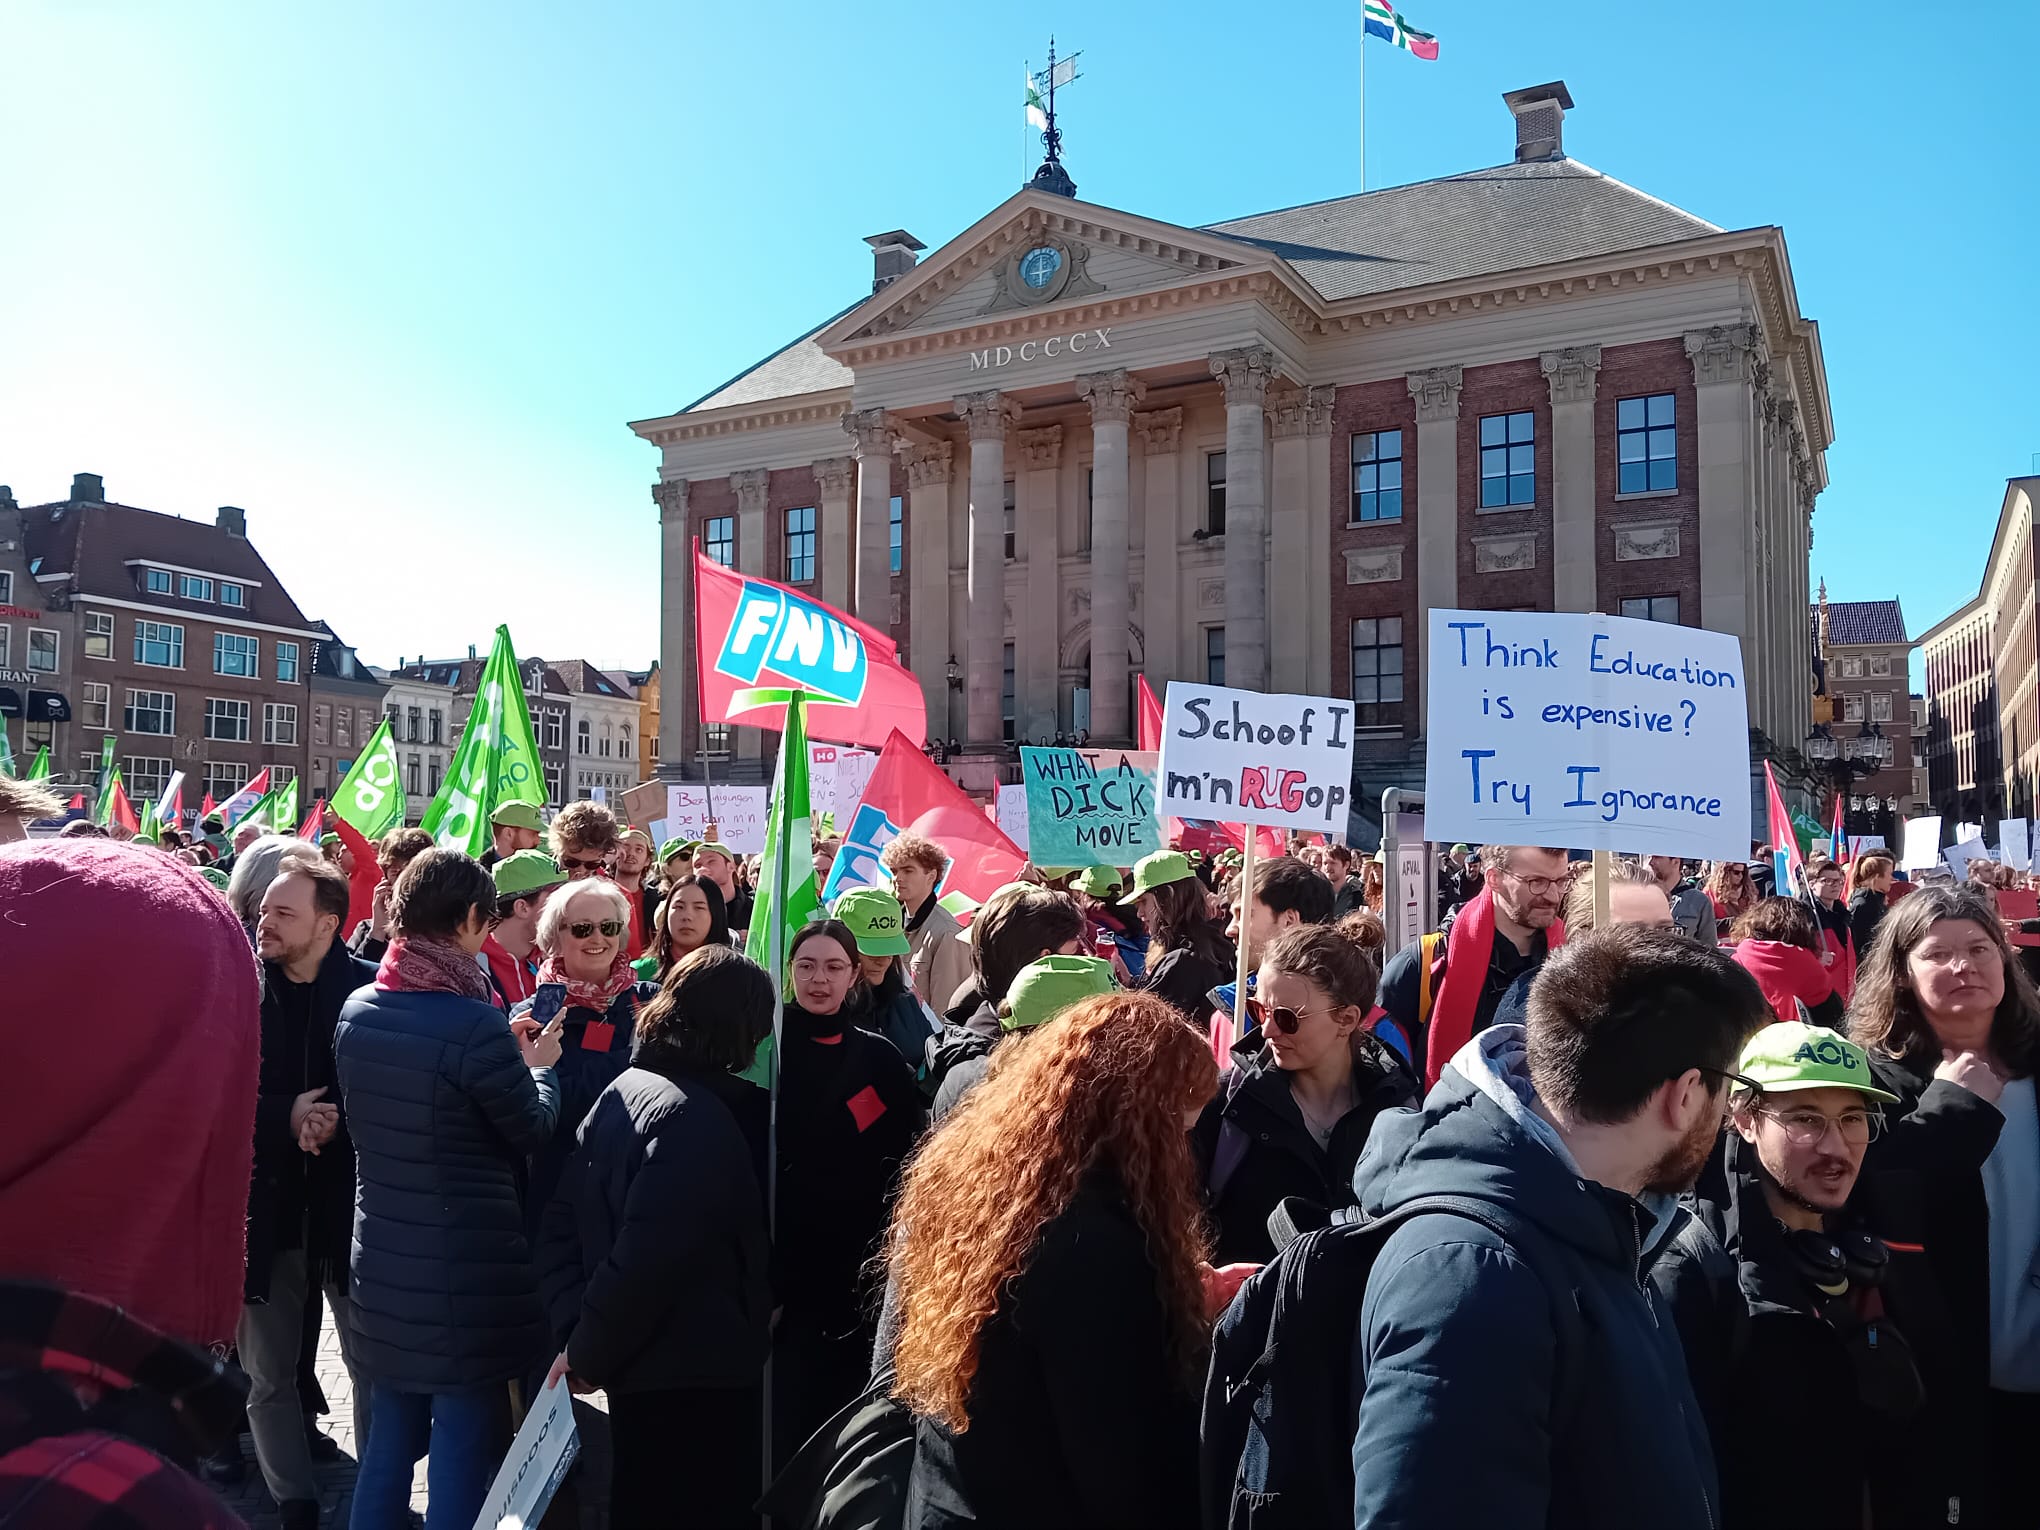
131 1006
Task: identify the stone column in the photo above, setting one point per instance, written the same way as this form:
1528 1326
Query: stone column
1244 375
1037 621
1113 395
1572 374
928 578
873 430
1299 550
1161 438
751 485
985 415
1437 394
1721 373
834 476
676 627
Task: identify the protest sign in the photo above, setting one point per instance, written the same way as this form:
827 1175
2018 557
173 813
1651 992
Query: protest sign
1081 815
2015 835
1588 732
1858 843
1255 757
1922 844
1961 857
539 1457
1011 812
739 815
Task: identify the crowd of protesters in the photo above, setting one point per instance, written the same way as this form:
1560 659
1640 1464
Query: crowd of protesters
1705 1206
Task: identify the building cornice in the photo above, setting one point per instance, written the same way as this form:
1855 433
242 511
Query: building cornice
179 614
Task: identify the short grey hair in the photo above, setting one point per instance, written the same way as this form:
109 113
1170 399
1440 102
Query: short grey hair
255 868
552 919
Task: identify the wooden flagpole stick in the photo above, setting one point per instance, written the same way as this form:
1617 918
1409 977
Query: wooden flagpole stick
1604 862
1246 891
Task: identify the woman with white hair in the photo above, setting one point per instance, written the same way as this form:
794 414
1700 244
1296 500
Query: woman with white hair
255 868
585 977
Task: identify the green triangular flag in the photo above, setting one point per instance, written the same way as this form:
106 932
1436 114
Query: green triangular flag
103 814
149 828
497 761
370 798
6 752
283 814
40 770
786 898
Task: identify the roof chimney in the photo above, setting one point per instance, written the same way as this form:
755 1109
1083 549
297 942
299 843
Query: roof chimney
471 650
233 520
1540 120
892 256
88 487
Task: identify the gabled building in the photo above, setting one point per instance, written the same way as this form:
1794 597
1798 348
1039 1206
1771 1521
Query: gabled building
189 650
1863 737
347 700
602 722
1076 444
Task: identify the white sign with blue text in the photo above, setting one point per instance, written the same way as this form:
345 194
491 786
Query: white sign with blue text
1587 732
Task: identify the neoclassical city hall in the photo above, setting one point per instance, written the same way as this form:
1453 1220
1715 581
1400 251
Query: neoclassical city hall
1074 445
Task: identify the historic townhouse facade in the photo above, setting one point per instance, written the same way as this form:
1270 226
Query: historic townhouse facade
1074 445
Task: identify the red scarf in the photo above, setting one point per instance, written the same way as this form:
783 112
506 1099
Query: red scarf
1467 956
586 995
412 965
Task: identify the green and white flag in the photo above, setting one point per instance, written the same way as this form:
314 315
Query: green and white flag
6 752
103 813
370 798
497 761
283 814
106 768
1037 116
786 898
40 770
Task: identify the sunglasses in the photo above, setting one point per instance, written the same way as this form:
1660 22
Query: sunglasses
1280 1016
582 929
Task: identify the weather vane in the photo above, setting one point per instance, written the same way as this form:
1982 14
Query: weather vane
1041 89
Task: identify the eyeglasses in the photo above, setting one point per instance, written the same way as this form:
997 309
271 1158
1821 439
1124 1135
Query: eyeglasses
575 863
1280 1016
582 929
1804 1128
1536 886
1736 1080
809 969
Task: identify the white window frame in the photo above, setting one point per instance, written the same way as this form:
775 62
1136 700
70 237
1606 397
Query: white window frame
92 621
87 701
226 706
254 671
293 659
194 587
1880 706
240 600
6 644
142 641
225 777
133 776
56 651
274 721
163 703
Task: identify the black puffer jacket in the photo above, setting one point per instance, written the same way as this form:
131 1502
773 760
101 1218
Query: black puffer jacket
655 1259
444 1114
290 1184
1254 1135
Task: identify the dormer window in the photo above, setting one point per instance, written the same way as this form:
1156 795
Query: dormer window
194 587
158 580
232 594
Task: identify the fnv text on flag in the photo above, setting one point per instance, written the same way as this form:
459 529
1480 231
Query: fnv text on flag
1385 22
760 641
497 761
909 792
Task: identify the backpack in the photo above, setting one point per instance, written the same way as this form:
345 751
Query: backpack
1281 1405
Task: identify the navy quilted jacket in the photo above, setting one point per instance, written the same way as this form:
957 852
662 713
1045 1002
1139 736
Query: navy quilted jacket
444 1114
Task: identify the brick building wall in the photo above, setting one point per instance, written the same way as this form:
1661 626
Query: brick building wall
1639 371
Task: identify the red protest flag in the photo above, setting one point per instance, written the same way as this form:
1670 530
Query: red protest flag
207 808
123 815
1149 732
758 640
314 825
908 791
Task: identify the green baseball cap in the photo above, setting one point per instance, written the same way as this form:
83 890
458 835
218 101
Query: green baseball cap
1152 871
330 837
1098 881
714 847
1794 1055
214 876
526 871
877 921
673 847
1047 986
517 815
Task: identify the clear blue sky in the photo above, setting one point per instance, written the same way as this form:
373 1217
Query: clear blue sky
394 276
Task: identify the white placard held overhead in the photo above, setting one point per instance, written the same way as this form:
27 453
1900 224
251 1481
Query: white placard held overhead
2015 835
1587 732
1961 857
1255 757
739 815
1922 844
1012 812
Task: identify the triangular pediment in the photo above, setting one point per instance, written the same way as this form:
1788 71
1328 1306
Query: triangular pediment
1036 252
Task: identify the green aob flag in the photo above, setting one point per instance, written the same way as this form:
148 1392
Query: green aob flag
786 897
497 761
370 798
40 770
283 816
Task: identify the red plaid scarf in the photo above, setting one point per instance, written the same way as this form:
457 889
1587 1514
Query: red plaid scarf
585 995
415 965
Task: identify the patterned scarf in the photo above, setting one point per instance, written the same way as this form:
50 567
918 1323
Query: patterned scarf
582 994
415 965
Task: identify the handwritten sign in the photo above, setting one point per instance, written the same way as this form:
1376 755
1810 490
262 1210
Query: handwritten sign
1010 814
539 1457
1256 757
1080 815
1922 844
2013 834
1587 732
739 815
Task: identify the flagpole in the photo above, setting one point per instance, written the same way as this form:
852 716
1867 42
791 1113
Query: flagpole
1363 99
776 950
700 695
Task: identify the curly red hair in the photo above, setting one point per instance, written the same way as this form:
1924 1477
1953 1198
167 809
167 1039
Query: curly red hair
1110 1080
